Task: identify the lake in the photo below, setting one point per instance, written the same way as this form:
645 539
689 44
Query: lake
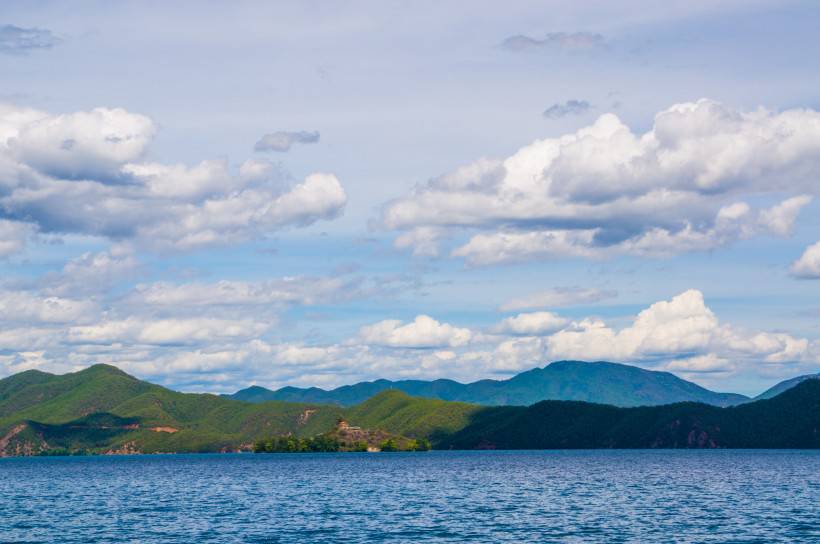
567 496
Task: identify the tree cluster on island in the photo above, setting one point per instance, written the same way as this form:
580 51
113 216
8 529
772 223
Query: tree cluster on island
343 438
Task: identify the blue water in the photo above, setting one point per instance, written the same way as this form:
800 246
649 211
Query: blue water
567 496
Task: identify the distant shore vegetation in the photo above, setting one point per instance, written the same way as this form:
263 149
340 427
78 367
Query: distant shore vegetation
343 438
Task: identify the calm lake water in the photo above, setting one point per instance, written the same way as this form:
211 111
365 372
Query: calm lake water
568 496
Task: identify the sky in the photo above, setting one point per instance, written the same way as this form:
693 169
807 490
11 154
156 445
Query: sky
211 195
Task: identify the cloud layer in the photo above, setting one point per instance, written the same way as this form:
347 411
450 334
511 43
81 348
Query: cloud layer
605 190
226 334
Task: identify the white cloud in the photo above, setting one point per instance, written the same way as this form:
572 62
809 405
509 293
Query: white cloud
780 219
423 332
91 144
682 327
208 178
166 331
23 307
808 265
288 290
558 297
531 324
82 173
701 364
605 190
91 273
28 338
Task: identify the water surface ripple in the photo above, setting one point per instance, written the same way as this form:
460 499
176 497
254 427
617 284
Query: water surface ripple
552 496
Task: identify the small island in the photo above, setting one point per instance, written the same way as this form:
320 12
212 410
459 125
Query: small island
343 438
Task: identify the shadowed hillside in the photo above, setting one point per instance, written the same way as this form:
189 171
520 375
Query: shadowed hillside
790 420
785 386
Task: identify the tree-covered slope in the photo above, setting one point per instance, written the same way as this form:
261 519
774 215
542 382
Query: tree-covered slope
103 409
600 382
790 420
785 385
399 413
47 412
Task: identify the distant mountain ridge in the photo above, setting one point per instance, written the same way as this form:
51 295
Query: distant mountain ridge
785 385
599 382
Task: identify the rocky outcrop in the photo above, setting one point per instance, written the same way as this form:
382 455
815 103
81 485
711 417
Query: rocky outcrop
15 444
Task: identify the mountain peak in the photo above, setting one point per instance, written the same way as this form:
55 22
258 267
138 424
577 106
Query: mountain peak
103 368
786 385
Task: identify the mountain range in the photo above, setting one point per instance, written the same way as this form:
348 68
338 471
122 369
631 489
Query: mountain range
102 409
600 382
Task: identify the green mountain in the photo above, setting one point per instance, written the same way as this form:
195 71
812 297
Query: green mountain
789 420
600 382
785 385
102 409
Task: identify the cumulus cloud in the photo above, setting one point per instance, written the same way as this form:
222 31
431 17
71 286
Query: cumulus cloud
282 141
423 332
808 265
682 326
83 173
572 41
570 107
18 40
532 324
604 190
558 297
93 144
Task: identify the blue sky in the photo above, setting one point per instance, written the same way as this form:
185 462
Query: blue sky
211 195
